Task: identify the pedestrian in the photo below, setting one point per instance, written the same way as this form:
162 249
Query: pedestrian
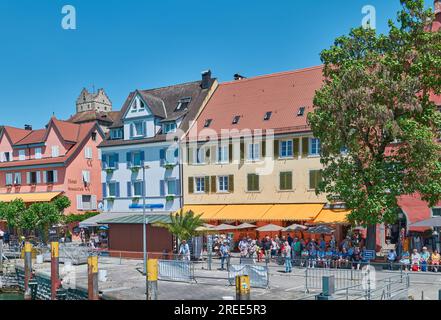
184 250
405 260
391 257
416 259
290 240
435 260
286 253
304 257
296 249
225 254
6 238
267 248
425 257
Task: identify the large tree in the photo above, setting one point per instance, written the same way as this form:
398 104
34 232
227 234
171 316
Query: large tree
375 104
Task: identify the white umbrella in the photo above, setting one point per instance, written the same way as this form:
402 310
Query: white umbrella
295 227
246 226
270 228
224 227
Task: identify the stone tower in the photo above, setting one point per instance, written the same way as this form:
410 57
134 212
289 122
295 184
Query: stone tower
98 102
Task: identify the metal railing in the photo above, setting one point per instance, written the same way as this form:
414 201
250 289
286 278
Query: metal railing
176 270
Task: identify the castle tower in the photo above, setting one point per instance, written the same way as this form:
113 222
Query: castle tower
98 102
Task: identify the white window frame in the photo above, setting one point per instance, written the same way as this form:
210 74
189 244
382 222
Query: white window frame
314 147
223 184
222 154
170 127
55 151
108 189
88 153
286 152
134 189
17 178
86 177
136 132
202 152
202 185
38 153
170 156
21 155
253 151
9 179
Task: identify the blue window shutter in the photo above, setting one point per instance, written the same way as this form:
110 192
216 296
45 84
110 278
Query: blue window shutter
176 153
162 188
142 188
129 189
162 155
178 187
105 161
118 194
117 160
142 156
132 130
104 190
129 159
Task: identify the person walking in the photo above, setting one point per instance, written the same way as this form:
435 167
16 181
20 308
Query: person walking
267 248
184 250
286 253
225 254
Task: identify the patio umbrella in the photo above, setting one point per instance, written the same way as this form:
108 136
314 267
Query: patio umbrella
224 227
433 222
205 228
270 228
295 227
246 226
321 229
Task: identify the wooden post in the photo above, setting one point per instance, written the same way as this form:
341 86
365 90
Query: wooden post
92 270
28 270
55 281
243 288
1 255
152 279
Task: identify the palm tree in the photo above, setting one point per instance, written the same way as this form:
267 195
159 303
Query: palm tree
183 225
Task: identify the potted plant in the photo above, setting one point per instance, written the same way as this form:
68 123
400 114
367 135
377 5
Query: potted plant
169 166
135 199
169 198
135 169
110 170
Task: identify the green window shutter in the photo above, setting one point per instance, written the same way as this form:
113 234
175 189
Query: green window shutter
282 181
231 183
242 150
311 179
289 180
213 184
263 148
190 185
257 187
318 178
230 151
276 149
207 184
285 180
249 181
190 155
296 147
305 147
253 182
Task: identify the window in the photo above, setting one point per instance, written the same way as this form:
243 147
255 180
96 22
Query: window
113 161
88 152
171 155
86 177
236 120
113 189
141 104
285 181
253 182
222 184
436 212
314 147
138 128
169 127
208 123
200 155
93 136
171 187
33 177
286 149
38 153
253 151
222 154
9 179
183 104
267 116
137 159
55 151
51 177
301 112
17 178
116 134
137 189
200 185
315 177
21 155
86 202
7 156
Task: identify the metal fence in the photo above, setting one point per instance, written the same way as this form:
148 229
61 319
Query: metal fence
259 275
176 270
343 278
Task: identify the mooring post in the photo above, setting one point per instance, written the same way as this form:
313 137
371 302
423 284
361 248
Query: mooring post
243 288
152 279
55 281
92 270
28 270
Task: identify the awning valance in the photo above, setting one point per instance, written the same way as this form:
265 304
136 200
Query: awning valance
293 212
242 212
30 197
332 216
207 211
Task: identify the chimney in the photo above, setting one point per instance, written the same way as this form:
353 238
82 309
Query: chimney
238 77
438 10
206 79
28 127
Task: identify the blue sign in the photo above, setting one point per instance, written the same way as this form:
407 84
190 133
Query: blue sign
369 254
147 206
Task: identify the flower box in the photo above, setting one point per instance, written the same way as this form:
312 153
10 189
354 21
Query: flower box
169 198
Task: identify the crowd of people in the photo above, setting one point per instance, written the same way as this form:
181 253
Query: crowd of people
417 261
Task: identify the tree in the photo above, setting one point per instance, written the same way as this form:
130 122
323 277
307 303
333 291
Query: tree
41 216
183 225
12 211
375 104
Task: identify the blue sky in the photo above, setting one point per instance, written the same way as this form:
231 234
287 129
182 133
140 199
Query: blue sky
124 45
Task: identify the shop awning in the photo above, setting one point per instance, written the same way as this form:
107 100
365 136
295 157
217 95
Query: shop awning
207 211
30 197
138 219
332 216
293 212
242 212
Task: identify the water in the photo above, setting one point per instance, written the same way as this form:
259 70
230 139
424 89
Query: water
11 296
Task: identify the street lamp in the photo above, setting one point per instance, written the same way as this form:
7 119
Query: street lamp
144 220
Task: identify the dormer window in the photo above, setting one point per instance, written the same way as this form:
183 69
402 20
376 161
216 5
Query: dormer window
183 104
267 116
169 127
208 123
236 120
116 134
301 112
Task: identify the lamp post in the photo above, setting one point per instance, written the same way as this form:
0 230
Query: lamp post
144 220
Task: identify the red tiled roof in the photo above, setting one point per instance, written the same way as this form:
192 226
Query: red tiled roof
16 134
35 136
69 131
281 93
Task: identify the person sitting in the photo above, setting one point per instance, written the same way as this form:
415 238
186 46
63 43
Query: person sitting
312 257
304 257
435 260
356 258
321 260
416 259
425 257
343 258
391 258
405 260
335 257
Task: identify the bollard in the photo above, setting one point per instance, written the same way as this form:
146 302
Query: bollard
328 284
55 281
243 288
92 270
439 295
28 270
152 279
1 255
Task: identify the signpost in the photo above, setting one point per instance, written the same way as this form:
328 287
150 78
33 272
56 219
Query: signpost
369 255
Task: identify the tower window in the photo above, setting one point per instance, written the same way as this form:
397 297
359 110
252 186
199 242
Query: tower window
267 116
301 112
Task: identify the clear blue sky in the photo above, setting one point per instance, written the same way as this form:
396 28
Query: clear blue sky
124 45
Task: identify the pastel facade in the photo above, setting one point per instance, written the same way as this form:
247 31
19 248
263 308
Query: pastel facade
42 164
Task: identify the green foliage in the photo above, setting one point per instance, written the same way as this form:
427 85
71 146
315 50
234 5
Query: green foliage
79 217
376 102
183 225
62 203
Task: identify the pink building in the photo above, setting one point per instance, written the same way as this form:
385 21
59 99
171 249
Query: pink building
63 158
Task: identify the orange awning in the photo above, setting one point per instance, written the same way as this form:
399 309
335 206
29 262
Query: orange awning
293 212
30 197
242 212
207 211
332 216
